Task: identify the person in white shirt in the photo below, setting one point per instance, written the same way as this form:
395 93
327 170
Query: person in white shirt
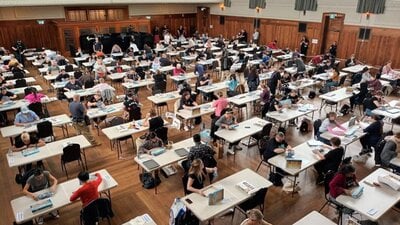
99 69
256 36
134 47
167 38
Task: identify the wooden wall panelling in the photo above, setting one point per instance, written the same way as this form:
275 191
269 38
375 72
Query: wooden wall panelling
173 21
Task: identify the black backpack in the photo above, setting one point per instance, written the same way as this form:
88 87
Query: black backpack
148 181
305 125
345 109
312 94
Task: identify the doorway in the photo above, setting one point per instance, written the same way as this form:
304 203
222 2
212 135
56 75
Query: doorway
332 25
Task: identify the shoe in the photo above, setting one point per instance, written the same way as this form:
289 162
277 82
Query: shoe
186 128
360 158
40 220
54 214
191 127
230 151
236 147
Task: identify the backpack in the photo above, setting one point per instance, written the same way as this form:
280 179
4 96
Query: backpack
345 109
305 126
148 181
312 94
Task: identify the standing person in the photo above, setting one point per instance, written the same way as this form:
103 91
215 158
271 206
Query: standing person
329 161
333 49
275 80
97 45
304 45
38 181
156 34
232 84
253 80
225 122
78 113
88 192
255 217
256 37
19 50
220 104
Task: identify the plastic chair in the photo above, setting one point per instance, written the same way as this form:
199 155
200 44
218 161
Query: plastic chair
45 130
162 133
261 149
256 200
96 210
20 83
71 152
37 107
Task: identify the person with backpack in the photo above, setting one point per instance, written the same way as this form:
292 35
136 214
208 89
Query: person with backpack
38 181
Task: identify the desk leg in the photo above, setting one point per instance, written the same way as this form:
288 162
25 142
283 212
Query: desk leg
84 157
11 141
322 104
294 185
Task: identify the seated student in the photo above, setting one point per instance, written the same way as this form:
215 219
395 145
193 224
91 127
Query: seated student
187 103
254 217
178 70
372 103
276 105
40 180
203 152
196 177
62 76
132 110
153 121
334 80
26 116
374 84
34 96
225 122
359 98
327 125
25 141
131 77
391 149
6 95
373 134
285 81
152 141
275 146
342 182
220 104
294 97
329 161
72 85
88 192
164 61
96 101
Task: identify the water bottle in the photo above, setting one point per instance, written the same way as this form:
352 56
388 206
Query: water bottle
10 151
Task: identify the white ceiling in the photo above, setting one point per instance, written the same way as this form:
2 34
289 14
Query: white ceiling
8 3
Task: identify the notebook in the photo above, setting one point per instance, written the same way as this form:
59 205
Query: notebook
181 152
31 151
41 205
151 164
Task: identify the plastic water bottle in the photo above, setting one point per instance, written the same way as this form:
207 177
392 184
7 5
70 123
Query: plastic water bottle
10 151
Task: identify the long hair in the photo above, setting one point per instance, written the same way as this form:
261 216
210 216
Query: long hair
197 169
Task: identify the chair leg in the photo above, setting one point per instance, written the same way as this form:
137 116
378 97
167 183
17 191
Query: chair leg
259 165
233 214
323 206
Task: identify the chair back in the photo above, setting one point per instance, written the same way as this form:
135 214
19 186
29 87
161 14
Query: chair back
162 133
316 125
89 84
104 208
262 144
266 131
327 179
185 179
37 107
135 112
257 200
45 129
108 95
117 121
69 68
77 74
342 80
240 89
71 152
20 83
18 75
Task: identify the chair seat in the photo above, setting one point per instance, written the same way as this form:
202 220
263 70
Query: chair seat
330 102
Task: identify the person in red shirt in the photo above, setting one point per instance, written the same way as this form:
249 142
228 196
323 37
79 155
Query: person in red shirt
273 44
88 192
343 181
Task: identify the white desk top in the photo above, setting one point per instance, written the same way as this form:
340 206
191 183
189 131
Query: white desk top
293 70
21 90
82 58
303 152
89 64
395 161
182 77
136 84
245 97
74 66
12 131
144 219
126 129
292 113
205 109
384 195
21 205
232 194
266 76
314 218
116 76
206 62
302 83
168 157
164 97
326 76
49 150
124 67
383 111
355 69
337 95
27 79
213 87
109 109
189 57
81 92
244 129
166 68
390 77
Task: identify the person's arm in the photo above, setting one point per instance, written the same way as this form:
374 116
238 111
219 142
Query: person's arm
17 121
189 187
39 143
146 120
54 182
221 122
330 130
98 180
339 125
28 193
14 96
145 147
75 195
279 150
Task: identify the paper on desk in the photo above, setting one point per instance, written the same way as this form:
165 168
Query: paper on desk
393 103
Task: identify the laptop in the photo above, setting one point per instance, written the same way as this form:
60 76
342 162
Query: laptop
151 164
215 196
352 127
195 110
181 152
352 122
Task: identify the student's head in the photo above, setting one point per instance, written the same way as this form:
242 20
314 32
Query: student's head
3 90
196 167
101 80
72 79
335 141
331 116
83 176
229 113
152 136
232 76
280 136
153 113
293 93
220 94
178 66
278 97
186 95
255 217
76 98
379 94
197 138
24 109
38 174
25 137
365 69
347 170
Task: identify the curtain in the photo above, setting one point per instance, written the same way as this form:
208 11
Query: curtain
257 3
372 6
227 3
306 5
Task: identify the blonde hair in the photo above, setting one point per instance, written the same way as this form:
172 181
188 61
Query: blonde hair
25 136
196 168
255 215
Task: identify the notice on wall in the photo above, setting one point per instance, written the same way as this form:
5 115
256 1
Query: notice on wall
314 41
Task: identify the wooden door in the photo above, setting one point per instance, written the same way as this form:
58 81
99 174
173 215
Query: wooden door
332 26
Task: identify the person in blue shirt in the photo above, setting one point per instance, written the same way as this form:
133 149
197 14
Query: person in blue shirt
25 116
199 70
232 84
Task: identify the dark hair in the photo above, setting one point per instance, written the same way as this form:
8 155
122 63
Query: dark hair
196 138
335 141
151 135
83 176
365 69
228 111
38 172
346 169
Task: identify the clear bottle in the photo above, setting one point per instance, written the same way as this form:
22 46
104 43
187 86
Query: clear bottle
10 151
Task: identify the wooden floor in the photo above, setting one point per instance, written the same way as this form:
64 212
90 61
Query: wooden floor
129 199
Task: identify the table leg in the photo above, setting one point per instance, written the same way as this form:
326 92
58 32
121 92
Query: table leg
294 185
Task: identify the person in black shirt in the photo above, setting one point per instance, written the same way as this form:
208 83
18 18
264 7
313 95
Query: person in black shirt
333 49
373 134
276 104
203 152
153 121
351 61
25 141
294 97
276 146
253 79
73 84
159 82
19 50
187 102
304 45
275 80
6 95
372 103
196 177
164 61
97 46
132 107
329 161
62 76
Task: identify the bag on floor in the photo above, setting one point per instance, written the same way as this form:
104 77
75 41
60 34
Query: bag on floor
345 109
148 181
312 94
305 126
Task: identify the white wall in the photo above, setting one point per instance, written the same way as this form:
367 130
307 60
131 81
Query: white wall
284 9
159 9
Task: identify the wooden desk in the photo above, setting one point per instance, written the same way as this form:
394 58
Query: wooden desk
232 195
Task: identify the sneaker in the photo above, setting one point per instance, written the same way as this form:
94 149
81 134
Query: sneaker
236 147
40 220
186 128
230 151
191 127
55 214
